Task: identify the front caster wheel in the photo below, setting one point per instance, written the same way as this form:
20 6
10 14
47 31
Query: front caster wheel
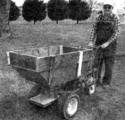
90 86
68 105
91 89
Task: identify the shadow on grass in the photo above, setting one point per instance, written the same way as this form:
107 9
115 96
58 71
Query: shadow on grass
18 108
8 108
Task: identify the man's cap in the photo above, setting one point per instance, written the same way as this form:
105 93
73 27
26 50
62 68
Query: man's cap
108 2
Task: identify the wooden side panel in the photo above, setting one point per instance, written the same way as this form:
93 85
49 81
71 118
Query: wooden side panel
23 61
48 51
40 52
54 55
69 49
87 62
37 52
64 69
33 76
53 50
44 64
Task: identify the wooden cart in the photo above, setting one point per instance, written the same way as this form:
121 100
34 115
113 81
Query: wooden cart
59 72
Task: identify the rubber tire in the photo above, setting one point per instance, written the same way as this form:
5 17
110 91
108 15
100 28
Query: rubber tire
88 90
63 103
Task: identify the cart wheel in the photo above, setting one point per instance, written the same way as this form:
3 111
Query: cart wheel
91 89
68 105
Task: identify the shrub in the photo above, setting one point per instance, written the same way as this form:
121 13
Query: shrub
79 10
57 10
14 12
34 10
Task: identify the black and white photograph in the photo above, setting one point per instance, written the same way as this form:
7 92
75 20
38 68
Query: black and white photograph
62 60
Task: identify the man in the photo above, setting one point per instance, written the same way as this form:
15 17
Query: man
104 38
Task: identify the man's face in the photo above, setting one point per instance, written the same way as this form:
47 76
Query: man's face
107 9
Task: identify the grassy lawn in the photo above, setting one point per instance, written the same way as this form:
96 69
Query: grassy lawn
104 105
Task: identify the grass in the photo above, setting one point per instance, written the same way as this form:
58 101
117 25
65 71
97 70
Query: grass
104 105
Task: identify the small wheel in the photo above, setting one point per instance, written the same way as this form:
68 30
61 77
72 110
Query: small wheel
68 105
90 86
91 89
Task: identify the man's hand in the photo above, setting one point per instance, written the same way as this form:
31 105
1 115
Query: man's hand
91 44
105 45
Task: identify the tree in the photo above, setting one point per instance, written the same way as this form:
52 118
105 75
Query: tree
34 10
4 16
79 10
14 12
57 10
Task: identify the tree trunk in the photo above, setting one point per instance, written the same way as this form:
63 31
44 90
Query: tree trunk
4 16
77 21
34 22
0 26
57 22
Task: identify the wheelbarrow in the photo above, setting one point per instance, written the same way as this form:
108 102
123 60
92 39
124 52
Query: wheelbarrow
59 71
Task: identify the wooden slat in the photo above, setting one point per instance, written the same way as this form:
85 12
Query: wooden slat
26 62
